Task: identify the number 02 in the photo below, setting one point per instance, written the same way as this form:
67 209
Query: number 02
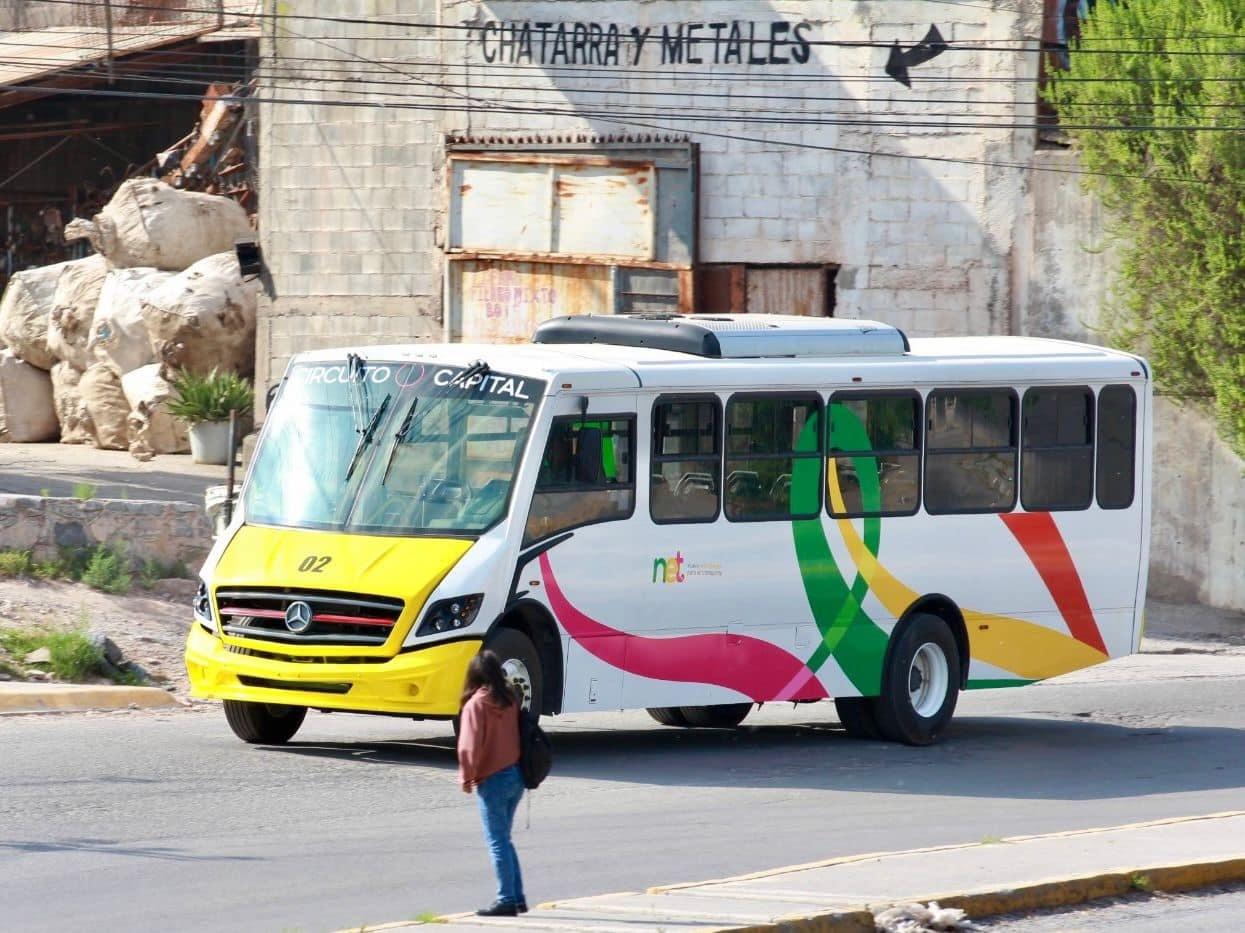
314 564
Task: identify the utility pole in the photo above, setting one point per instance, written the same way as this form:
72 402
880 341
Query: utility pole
108 31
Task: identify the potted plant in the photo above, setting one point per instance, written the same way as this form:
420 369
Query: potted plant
204 403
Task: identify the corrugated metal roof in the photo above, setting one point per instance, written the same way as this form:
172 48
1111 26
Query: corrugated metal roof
37 53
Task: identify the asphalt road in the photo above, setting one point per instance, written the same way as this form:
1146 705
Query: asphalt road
154 822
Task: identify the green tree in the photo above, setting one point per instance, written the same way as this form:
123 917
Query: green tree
1176 195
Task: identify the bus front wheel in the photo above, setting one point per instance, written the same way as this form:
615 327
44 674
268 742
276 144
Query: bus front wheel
921 683
520 662
264 723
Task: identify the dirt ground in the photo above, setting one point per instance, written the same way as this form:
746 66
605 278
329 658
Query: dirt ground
149 628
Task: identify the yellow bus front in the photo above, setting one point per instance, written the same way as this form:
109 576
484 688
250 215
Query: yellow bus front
371 488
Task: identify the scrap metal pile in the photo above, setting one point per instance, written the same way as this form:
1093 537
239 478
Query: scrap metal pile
88 347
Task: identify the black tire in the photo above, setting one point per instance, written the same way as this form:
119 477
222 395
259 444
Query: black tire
668 715
264 723
727 716
901 719
521 662
856 715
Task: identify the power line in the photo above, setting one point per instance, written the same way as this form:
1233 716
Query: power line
541 109
963 45
275 77
578 72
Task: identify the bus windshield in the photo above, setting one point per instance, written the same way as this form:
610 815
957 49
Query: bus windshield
391 448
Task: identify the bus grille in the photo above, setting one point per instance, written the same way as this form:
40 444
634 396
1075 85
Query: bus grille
330 618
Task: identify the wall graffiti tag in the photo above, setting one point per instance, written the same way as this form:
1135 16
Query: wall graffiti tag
734 42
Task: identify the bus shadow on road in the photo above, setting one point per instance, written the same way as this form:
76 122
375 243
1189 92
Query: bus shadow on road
988 757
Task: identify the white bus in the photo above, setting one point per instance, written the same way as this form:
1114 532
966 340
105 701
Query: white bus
687 514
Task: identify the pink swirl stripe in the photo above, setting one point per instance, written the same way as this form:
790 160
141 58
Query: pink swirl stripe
757 669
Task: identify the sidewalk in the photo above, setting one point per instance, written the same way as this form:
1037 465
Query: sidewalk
1020 873
55 469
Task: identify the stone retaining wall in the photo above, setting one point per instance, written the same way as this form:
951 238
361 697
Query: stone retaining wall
163 531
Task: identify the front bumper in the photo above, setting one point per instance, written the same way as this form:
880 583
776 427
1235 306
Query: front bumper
426 682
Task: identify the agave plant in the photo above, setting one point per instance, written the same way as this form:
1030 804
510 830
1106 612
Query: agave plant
211 397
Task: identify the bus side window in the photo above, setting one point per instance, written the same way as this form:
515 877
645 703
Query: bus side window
1057 449
586 476
773 457
970 451
1117 446
874 458
686 473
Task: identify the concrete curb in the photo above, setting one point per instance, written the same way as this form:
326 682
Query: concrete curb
77 698
1059 892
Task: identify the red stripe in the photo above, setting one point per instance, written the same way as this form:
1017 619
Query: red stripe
1041 540
255 613
352 620
758 669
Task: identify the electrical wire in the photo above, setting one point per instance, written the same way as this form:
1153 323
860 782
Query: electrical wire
468 28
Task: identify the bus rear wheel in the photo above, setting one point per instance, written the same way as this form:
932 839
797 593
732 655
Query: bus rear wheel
726 716
264 723
668 715
856 715
921 683
520 662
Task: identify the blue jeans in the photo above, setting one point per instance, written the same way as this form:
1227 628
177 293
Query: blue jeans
499 796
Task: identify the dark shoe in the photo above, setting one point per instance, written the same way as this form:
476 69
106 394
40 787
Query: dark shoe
521 907
498 909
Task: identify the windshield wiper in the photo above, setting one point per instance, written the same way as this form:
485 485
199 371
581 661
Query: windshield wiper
398 437
366 437
357 387
478 368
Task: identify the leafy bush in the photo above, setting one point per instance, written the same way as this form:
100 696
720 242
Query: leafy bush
74 656
210 397
1172 176
108 570
14 563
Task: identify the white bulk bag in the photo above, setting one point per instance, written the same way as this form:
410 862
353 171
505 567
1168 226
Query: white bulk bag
73 309
101 391
27 414
204 318
152 429
75 421
119 332
24 313
149 223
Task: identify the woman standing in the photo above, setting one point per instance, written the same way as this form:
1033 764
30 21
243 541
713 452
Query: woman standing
488 760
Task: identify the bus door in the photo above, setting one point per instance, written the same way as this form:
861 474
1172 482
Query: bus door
584 496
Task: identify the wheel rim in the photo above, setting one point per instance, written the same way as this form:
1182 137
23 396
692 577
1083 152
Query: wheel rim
927 680
521 679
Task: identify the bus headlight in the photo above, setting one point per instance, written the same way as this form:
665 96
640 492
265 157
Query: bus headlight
203 608
450 614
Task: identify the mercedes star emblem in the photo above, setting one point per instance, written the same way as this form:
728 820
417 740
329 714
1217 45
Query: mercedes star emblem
298 617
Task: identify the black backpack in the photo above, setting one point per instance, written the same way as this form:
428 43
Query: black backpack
535 752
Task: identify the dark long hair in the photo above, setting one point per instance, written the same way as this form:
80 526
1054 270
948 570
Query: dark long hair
484 670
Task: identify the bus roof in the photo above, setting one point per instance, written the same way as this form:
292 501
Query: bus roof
930 360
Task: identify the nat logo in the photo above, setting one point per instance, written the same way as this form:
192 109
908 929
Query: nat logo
669 569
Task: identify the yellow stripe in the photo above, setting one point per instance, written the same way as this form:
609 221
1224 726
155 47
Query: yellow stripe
1026 649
